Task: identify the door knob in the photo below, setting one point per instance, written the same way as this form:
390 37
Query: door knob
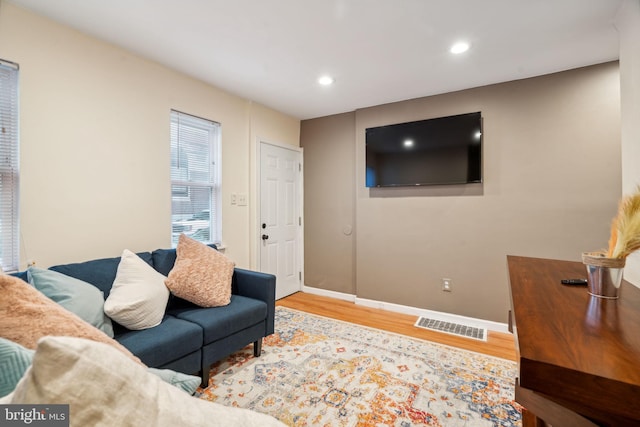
265 237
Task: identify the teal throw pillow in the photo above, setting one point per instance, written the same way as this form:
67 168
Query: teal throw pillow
188 383
14 361
79 297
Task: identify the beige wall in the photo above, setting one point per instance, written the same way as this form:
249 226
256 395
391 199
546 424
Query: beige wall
629 30
95 144
551 186
269 126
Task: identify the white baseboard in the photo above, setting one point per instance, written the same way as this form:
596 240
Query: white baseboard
404 309
331 294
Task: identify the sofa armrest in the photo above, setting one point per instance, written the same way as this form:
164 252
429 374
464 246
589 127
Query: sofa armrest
257 285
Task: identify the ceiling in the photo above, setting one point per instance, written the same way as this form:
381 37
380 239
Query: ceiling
378 51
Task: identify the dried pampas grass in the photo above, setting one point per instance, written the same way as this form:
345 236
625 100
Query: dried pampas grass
625 228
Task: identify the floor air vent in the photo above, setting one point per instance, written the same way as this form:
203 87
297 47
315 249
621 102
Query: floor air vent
452 328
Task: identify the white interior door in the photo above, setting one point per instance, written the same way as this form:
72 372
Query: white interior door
280 217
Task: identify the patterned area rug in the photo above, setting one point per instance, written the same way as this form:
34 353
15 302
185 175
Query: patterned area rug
316 371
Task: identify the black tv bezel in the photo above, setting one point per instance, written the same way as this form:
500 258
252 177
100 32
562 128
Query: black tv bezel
480 163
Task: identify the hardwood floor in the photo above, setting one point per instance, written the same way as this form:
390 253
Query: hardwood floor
498 344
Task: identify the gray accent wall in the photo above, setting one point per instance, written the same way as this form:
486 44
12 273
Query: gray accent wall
552 181
329 202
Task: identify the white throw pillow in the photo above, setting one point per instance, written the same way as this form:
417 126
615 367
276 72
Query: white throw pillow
104 389
139 296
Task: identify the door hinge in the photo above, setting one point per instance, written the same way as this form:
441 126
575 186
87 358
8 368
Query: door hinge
300 276
299 220
299 167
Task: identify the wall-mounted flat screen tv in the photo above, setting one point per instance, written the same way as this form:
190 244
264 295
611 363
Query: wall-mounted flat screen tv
444 150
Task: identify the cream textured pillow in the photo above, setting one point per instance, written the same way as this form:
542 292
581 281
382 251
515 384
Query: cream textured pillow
201 274
27 315
104 388
139 296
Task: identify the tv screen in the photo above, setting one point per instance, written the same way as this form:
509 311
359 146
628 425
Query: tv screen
444 150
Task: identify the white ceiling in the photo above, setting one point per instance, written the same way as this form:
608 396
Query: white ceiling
379 51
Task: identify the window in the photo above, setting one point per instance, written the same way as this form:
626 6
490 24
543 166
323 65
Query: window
9 167
195 178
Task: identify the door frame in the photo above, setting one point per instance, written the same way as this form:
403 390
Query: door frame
257 230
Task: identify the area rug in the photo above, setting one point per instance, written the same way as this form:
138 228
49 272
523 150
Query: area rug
316 371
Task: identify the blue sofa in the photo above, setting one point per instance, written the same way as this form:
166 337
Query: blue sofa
190 338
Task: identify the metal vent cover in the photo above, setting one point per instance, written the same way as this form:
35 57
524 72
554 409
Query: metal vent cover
452 328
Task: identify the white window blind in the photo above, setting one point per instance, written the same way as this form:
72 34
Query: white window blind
9 167
195 178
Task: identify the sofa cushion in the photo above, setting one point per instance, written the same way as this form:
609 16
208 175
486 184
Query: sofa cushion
27 315
163 260
21 275
162 344
105 389
240 314
201 274
77 296
14 361
139 296
99 272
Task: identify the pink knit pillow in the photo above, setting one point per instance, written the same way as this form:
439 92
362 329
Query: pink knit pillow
201 274
27 315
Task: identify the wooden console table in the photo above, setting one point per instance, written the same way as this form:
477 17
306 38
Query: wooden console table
579 356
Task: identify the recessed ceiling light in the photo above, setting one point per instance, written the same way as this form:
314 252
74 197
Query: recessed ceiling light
408 143
326 80
459 47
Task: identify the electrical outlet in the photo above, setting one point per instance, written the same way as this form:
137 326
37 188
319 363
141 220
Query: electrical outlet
242 199
446 284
